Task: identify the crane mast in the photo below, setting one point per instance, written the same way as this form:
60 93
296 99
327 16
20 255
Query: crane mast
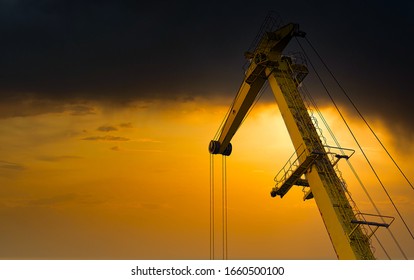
313 168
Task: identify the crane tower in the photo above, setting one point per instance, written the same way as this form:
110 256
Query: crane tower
312 168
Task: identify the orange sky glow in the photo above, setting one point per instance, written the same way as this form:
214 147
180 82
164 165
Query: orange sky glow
133 183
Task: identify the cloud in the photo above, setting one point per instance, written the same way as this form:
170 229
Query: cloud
26 105
119 149
80 110
148 140
145 205
105 138
12 166
54 200
106 128
58 199
126 125
57 158
142 52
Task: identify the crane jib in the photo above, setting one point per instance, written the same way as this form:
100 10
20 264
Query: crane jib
267 54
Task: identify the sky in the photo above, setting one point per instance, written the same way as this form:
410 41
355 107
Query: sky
107 109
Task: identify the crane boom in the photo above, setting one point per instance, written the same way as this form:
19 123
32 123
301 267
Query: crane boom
313 163
272 43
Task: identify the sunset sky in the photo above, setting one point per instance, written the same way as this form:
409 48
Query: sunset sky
107 109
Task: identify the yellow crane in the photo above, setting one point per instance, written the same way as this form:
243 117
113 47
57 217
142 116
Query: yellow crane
313 168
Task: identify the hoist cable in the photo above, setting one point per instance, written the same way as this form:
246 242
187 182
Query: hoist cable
359 146
224 209
359 113
224 206
211 207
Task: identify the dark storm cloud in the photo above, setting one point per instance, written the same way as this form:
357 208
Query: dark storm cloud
125 50
103 49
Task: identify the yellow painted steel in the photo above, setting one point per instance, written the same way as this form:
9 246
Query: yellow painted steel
326 187
268 63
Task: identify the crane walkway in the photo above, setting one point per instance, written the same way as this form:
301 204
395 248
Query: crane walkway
295 177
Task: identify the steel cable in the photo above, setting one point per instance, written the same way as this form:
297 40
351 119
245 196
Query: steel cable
359 113
361 149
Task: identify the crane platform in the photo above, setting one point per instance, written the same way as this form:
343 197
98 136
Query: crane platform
360 220
295 176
